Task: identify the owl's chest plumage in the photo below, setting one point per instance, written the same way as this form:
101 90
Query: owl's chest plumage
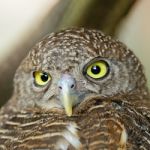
103 125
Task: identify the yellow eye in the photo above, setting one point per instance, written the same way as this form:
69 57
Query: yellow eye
97 70
41 78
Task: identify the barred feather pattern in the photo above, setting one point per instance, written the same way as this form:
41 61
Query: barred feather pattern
99 124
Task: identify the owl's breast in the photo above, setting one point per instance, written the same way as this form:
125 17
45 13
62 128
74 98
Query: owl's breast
103 125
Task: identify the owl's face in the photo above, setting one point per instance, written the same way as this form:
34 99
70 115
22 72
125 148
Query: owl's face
72 66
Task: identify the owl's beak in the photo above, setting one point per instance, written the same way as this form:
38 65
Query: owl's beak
68 95
67 101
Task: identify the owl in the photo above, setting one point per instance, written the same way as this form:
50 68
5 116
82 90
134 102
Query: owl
77 89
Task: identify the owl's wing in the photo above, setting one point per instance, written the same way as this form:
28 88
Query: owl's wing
116 124
102 125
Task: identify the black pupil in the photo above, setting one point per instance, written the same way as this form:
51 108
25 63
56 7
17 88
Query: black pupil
95 69
44 77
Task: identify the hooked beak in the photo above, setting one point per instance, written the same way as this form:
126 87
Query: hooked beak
67 101
68 94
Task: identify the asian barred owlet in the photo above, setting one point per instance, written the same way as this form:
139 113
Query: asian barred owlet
77 89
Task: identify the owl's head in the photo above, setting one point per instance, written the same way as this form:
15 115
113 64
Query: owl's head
71 66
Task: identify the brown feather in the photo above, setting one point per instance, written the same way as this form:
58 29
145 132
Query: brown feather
101 126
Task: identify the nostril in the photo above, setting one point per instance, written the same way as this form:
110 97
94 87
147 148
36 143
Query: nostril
72 86
60 87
